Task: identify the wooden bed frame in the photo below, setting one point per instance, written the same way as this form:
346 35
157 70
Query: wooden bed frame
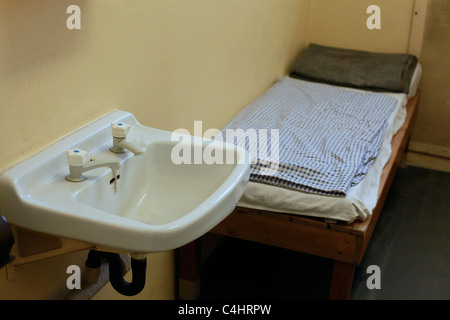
344 243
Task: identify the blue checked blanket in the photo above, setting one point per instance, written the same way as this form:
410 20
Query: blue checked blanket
311 137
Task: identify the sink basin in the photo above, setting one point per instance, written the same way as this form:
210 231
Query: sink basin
152 203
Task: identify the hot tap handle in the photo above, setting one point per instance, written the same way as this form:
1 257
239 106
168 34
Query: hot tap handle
76 157
120 129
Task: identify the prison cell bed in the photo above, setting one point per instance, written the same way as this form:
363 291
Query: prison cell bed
336 224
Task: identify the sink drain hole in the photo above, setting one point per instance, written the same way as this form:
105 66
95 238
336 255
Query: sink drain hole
114 179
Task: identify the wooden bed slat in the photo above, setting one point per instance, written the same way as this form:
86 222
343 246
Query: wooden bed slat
276 232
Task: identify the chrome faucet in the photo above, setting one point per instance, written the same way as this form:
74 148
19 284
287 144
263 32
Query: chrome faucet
120 144
78 163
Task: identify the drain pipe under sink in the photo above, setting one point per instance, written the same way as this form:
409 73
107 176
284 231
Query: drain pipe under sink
116 271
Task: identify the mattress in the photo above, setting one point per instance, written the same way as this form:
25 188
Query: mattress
360 200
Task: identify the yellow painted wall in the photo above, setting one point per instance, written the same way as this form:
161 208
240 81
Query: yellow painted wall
431 135
343 24
167 62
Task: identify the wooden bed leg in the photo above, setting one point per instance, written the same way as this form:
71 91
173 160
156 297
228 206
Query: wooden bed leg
189 268
341 281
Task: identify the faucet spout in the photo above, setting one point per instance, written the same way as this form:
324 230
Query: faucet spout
76 171
120 145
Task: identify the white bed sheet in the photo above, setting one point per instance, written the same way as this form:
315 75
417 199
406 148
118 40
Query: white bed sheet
361 199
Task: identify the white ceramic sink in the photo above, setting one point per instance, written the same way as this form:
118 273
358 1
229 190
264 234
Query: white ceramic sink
158 205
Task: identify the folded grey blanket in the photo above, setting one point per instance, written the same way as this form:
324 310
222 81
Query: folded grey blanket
358 69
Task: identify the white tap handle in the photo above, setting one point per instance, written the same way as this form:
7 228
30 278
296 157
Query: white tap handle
76 157
120 129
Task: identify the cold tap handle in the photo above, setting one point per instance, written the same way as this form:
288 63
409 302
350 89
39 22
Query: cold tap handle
76 157
120 129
